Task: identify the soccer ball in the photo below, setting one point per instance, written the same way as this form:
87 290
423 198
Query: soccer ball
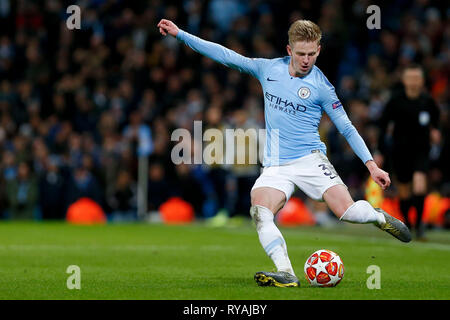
324 268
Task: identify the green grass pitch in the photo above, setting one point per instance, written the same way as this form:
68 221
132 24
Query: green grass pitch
194 262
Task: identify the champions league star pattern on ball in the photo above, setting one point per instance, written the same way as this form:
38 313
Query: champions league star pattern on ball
324 268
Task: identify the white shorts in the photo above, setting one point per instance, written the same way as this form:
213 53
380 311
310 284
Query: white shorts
313 174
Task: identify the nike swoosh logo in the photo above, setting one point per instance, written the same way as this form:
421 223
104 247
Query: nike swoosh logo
268 79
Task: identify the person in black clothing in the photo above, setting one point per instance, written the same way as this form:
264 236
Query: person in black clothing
82 184
122 201
415 117
51 191
159 188
189 188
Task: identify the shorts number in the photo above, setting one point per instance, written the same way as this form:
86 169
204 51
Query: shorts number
327 171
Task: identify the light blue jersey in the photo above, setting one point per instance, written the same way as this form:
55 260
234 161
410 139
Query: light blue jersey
293 106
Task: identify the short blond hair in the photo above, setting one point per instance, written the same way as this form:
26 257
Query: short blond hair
304 30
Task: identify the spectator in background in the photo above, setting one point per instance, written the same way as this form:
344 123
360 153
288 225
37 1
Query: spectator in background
223 13
122 202
244 172
3 197
8 165
52 191
159 189
8 172
138 134
22 194
415 117
21 148
82 184
188 188
222 179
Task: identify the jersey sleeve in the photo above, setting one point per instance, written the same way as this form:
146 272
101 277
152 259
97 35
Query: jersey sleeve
225 56
334 109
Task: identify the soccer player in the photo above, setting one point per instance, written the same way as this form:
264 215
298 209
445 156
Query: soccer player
415 116
296 93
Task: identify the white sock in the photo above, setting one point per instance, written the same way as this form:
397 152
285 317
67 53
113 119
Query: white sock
271 238
362 212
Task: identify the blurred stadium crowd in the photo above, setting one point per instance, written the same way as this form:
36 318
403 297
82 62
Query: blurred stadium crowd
73 101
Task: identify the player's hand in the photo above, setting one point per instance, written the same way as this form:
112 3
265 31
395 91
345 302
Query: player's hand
167 27
378 175
381 177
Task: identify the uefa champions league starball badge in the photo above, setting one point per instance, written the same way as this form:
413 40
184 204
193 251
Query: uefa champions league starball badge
304 93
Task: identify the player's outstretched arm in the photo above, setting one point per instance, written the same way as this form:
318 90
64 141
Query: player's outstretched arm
212 50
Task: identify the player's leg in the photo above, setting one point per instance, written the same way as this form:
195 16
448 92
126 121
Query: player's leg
270 198
340 202
316 176
342 205
404 195
419 189
266 202
320 181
